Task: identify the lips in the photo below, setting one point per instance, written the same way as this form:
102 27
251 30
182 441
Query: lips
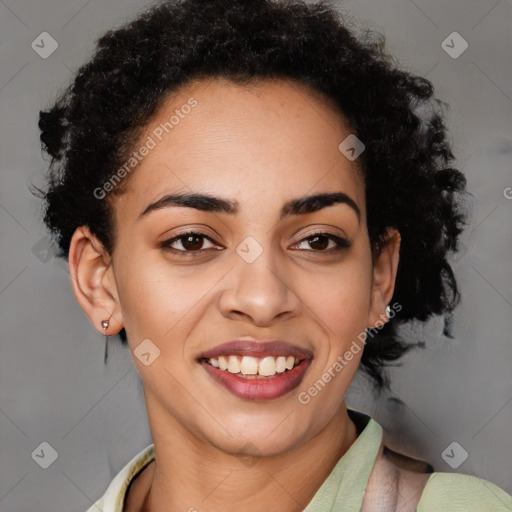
257 370
259 349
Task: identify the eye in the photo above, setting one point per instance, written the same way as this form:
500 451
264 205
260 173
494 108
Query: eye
324 242
191 241
195 242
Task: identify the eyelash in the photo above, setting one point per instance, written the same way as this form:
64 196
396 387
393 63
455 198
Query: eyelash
341 243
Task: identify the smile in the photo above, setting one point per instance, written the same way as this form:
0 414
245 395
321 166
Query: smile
248 366
257 371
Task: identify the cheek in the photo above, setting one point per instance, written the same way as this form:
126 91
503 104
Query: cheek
342 298
160 301
341 307
146 296
147 302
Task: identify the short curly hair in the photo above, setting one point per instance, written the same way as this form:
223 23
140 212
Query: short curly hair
409 180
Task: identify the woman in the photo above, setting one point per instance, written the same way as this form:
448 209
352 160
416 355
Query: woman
254 199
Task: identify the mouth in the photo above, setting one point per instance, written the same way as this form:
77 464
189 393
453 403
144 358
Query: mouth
257 371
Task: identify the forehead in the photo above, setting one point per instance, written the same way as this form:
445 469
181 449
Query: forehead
270 139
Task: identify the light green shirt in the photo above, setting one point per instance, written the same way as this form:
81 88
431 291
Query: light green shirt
344 488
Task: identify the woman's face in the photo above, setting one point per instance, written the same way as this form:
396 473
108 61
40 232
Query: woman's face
255 271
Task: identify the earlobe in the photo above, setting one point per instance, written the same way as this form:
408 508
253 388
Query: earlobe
93 281
385 267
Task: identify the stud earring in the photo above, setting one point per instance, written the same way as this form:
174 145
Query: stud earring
104 324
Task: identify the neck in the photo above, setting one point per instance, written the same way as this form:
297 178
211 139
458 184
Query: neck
191 475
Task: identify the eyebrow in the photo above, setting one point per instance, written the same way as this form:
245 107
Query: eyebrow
206 203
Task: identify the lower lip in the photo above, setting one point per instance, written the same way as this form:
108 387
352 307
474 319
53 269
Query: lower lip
259 389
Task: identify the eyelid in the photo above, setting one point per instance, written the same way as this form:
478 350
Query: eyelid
324 230
340 241
166 244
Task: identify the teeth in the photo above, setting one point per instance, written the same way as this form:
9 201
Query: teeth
267 366
233 365
280 364
247 365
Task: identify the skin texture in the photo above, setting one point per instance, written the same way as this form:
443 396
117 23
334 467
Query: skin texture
261 145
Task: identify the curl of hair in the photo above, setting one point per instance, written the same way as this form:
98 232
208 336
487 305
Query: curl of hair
411 184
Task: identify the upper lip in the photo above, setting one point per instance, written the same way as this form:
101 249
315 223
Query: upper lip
258 348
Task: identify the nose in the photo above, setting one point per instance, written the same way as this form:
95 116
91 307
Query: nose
259 293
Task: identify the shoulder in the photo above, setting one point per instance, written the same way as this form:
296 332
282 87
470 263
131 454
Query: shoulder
400 483
454 492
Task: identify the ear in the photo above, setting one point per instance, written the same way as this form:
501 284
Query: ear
93 281
385 266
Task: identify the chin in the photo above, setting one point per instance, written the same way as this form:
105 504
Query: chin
261 437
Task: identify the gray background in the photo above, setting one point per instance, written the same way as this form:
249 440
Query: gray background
54 387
